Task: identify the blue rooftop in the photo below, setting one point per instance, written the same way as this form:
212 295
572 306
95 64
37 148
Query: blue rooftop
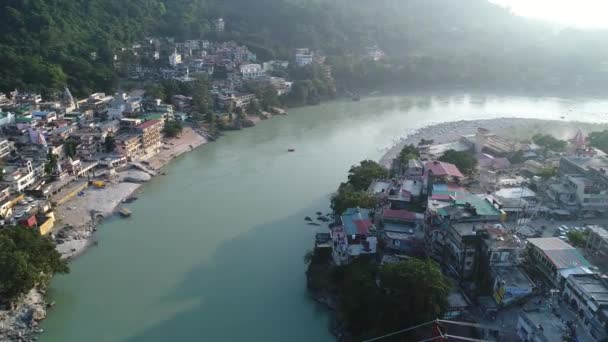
357 221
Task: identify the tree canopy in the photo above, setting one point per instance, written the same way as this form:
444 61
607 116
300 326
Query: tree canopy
347 197
51 43
599 140
376 300
549 142
407 153
173 128
463 160
361 176
26 260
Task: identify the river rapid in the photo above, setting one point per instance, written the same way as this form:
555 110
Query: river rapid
214 250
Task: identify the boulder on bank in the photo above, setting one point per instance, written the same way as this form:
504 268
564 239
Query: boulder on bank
248 123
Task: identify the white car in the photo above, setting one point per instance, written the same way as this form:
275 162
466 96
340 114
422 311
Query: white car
29 199
19 214
22 202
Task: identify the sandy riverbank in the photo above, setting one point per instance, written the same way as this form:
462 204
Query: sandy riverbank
516 128
76 217
187 141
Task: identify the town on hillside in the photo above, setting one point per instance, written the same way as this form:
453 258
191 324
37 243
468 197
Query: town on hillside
517 227
56 147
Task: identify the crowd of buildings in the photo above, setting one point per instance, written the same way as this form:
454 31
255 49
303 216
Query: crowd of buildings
480 230
47 146
228 65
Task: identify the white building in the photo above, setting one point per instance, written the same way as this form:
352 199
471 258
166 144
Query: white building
6 118
251 71
281 85
304 57
220 25
5 148
374 53
20 178
175 59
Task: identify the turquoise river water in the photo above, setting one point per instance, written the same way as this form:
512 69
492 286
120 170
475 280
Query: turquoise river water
214 249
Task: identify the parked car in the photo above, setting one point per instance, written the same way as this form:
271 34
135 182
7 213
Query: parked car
22 202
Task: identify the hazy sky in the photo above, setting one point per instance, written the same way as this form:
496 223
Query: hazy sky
583 13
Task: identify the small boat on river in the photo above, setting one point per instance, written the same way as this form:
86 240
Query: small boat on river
124 212
291 150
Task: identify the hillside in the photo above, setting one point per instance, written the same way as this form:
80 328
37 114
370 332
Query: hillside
45 44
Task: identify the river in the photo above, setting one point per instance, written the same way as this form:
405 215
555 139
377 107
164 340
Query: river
214 249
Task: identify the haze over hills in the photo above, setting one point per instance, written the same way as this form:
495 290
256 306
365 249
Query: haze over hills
48 43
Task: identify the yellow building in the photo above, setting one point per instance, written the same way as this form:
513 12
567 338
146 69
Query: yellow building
46 226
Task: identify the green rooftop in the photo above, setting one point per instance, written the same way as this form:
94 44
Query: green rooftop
481 205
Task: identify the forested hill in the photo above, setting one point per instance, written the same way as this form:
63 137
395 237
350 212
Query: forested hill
45 44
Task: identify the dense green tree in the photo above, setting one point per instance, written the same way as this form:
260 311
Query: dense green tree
599 140
348 197
549 142
49 43
70 148
201 98
407 153
463 160
361 176
26 260
173 128
577 239
378 300
548 172
517 157
417 291
254 107
155 91
51 163
109 144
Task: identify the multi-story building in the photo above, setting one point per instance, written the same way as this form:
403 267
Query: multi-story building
303 57
583 184
175 59
5 148
589 194
597 241
45 116
129 145
587 294
151 133
251 71
556 260
219 24
355 236
20 177
463 249
239 100
88 148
